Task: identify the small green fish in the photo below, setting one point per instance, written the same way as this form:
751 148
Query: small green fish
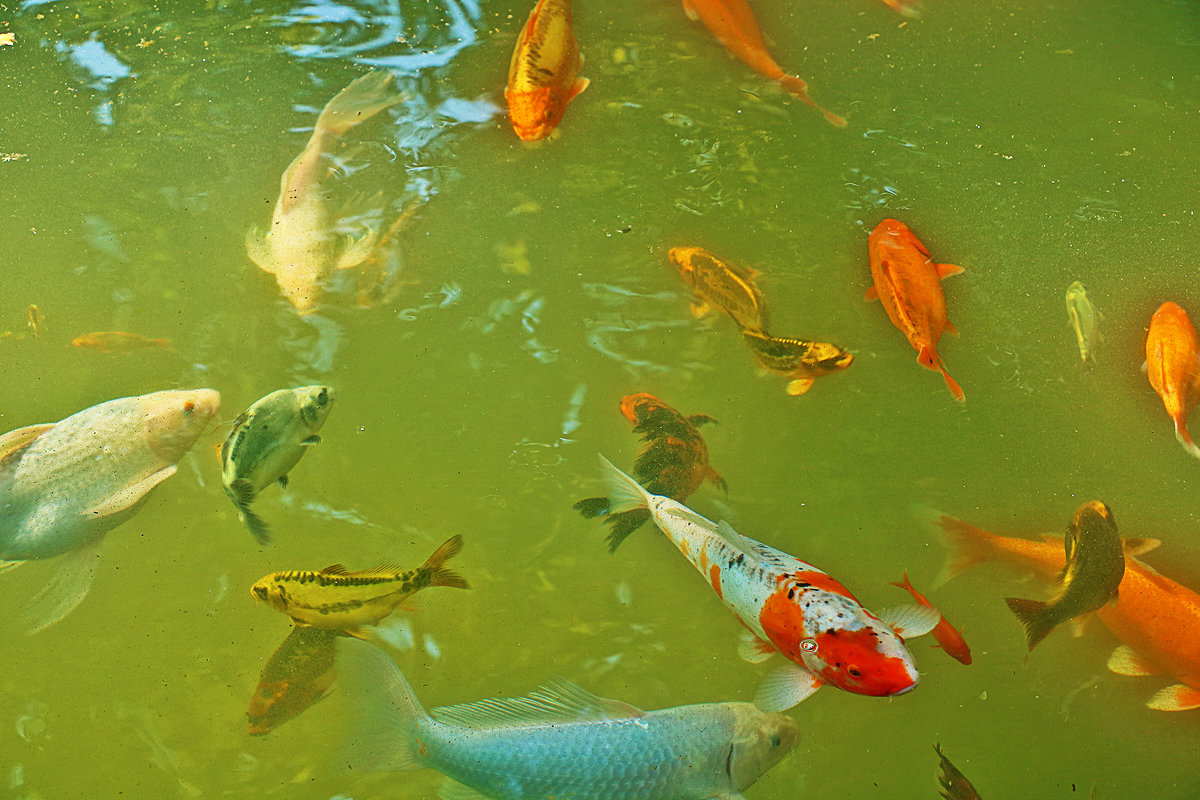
1084 319
954 785
1095 567
267 440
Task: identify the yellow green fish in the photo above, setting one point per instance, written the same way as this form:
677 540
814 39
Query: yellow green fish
1084 320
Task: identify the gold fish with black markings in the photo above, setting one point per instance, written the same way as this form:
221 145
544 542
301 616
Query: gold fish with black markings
335 599
718 284
800 360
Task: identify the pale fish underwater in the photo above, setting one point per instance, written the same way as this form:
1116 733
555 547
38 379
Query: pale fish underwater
64 485
559 741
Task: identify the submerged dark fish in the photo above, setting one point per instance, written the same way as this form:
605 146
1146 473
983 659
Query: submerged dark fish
673 461
298 675
1095 566
954 785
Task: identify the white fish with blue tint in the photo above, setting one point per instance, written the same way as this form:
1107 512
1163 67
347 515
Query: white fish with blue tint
66 484
558 742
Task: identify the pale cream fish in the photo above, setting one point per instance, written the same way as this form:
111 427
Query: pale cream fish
1084 319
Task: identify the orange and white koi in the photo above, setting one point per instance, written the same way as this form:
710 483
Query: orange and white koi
948 638
909 284
1156 619
788 606
1173 367
733 24
543 73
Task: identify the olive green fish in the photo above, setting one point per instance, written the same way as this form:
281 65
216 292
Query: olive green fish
1084 320
267 440
335 599
954 785
799 360
1095 567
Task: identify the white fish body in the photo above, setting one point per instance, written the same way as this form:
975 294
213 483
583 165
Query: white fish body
302 247
64 485
559 741
267 440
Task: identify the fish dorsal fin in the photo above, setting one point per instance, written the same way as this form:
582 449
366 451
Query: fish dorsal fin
559 702
335 569
749 546
683 512
911 620
21 437
382 569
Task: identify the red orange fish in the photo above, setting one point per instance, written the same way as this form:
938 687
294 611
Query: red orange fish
909 284
1173 367
948 638
543 73
1156 619
733 24
118 342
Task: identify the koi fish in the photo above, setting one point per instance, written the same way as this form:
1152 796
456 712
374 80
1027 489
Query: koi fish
300 673
673 461
788 606
1156 619
954 785
1173 367
301 249
335 599
1095 565
905 8
543 74
266 442
734 26
64 485
909 284
560 741
719 284
799 360
1084 320
119 342
947 637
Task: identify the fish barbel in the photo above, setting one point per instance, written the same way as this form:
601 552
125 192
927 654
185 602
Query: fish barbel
559 741
335 599
301 249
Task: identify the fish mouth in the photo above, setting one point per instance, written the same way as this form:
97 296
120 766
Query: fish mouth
908 688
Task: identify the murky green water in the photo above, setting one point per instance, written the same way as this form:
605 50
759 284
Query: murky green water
1033 143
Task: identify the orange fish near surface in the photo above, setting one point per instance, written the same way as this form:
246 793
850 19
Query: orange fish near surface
118 342
1156 619
1173 367
947 637
543 73
909 284
733 24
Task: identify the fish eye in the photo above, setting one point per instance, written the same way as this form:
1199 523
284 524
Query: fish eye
188 408
855 672
776 740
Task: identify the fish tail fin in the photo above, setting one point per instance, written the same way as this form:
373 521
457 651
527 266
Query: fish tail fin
624 493
967 545
1185 439
903 583
795 85
358 102
1037 617
241 492
382 711
163 344
592 507
951 384
440 576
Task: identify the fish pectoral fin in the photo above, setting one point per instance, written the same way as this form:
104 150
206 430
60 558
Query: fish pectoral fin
753 649
700 309
785 687
130 496
1126 661
358 249
871 295
911 620
453 790
715 478
799 386
946 270
1179 697
690 11
311 440
578 87
950 328
14 441
66 588
259 251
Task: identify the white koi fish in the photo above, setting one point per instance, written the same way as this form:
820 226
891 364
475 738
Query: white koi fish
788 606
301 249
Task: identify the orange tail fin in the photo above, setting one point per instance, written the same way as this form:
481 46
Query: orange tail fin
799 88
952 385
1185 439
967 544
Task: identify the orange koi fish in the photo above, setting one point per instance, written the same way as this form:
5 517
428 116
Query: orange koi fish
947 637
909 284
1173 367
1156 619
673 461
542 76
733 24
118 342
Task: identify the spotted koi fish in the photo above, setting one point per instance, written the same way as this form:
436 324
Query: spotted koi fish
335 599
788 606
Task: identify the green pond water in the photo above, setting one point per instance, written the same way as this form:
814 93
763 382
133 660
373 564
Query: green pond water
1033 143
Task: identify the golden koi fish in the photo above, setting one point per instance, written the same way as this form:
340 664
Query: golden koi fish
301 248
543 73
799 360
335 599
719 284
